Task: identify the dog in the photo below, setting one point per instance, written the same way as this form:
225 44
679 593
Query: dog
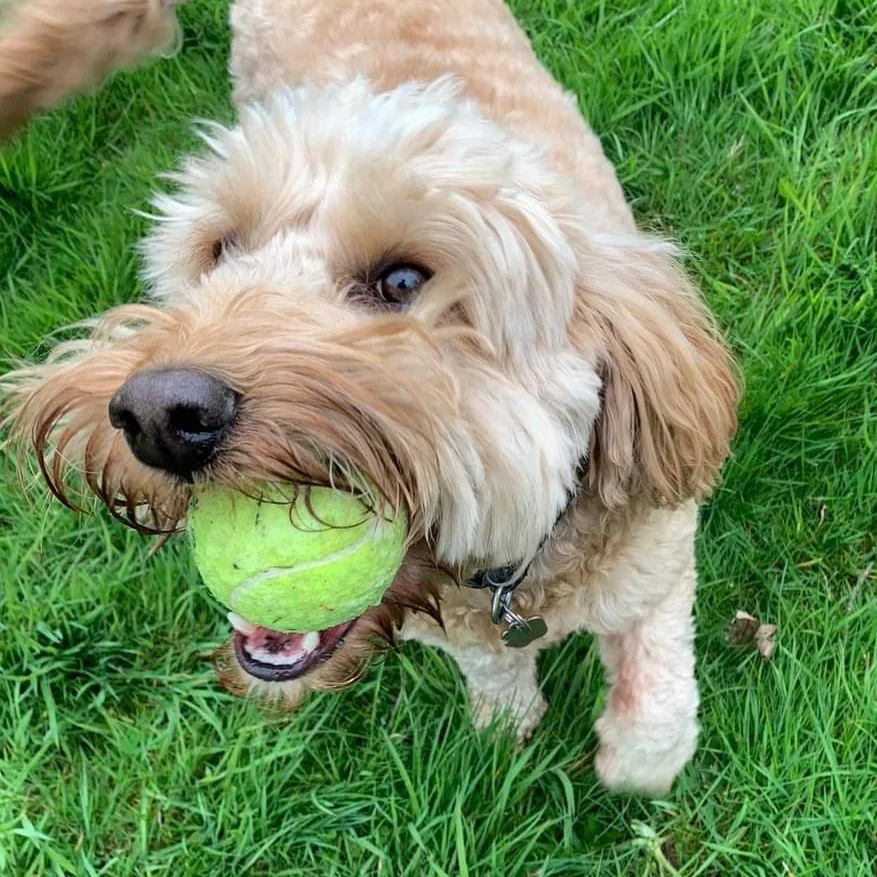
411 260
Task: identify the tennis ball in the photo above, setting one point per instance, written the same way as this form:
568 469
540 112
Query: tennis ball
294 561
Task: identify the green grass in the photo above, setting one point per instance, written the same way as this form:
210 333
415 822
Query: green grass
746 129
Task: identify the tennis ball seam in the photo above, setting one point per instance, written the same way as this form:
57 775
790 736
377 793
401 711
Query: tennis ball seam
266 575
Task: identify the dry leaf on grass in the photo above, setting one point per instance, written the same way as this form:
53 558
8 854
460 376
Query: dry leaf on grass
746 629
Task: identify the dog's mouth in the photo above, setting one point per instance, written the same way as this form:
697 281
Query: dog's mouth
274 656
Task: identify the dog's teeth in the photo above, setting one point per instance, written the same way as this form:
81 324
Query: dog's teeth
241 625
310 641
263 656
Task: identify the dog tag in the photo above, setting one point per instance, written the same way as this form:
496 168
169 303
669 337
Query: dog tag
522 631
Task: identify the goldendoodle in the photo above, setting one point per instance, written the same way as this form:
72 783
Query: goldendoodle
409 259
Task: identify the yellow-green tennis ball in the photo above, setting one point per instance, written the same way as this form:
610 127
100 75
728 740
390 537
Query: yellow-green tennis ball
304 562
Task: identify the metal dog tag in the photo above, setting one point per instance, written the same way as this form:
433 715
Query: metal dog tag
522 631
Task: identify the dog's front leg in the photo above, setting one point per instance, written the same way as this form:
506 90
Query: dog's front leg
502 685
501 681
648 731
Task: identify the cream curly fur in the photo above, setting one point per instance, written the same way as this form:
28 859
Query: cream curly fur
557 351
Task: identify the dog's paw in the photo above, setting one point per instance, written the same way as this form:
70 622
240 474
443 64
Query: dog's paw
640 758
519 714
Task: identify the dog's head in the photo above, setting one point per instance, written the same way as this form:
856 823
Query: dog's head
389 285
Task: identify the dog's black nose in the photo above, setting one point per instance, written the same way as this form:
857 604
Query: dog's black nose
174 419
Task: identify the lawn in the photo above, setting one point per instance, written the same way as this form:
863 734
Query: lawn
748 130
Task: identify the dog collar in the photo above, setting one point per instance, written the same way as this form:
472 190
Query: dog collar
502 581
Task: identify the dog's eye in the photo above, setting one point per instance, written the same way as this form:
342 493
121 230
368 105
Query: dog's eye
398 283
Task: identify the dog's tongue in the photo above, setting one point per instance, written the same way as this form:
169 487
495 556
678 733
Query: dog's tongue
276 656
273 646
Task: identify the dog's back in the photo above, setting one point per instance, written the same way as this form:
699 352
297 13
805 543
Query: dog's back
479 42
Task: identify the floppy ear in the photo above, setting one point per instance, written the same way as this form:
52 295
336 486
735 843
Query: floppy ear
669 385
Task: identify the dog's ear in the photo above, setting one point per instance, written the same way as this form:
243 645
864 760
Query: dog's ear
670 390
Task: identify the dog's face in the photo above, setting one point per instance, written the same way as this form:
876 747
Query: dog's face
389 286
